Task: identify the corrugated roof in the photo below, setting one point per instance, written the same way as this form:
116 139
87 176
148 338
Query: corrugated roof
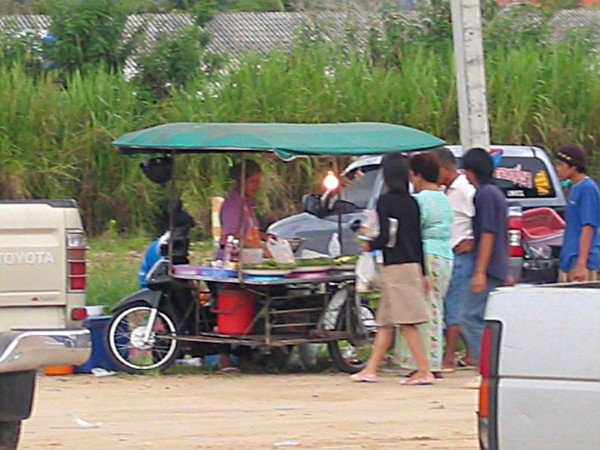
234 34
155 24
29 22
238 33
585 20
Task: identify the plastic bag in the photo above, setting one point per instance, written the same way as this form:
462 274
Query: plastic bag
366 272
370 224
281 251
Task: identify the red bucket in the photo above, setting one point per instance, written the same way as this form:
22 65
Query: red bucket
235 311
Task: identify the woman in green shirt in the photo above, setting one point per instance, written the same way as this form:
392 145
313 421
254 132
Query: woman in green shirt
436 223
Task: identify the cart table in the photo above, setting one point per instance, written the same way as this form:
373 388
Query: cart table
290 310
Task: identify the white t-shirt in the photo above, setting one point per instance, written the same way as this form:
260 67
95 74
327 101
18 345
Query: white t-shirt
460 196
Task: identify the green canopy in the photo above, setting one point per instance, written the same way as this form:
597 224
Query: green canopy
285 139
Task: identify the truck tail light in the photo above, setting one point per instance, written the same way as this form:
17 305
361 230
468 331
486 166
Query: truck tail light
488 389
515 234
79 314
76 264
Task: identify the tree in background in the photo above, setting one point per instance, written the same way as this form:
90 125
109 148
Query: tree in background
177 57
15 7
225 5
258 6
172 61
87 34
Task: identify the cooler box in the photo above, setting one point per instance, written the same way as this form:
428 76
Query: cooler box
99 357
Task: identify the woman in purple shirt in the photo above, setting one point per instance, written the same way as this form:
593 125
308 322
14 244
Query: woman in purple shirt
238 219
237 215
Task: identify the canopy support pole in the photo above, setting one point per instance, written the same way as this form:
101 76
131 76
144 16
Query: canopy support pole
339 215
171 202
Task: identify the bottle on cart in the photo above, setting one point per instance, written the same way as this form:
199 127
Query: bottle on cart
235 250
232 252
334 247
227 252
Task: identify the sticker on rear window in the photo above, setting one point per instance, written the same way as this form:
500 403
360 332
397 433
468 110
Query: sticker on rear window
542 183
515 175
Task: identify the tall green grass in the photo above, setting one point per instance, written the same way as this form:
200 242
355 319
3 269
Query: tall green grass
113 265
55 135
114 261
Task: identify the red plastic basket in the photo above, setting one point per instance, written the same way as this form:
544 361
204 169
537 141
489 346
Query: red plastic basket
539 223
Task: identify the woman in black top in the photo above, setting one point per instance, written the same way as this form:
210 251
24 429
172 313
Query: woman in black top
402 282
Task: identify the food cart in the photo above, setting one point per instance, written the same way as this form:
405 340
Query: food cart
259 308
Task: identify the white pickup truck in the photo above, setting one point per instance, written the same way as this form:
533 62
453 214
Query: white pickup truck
540 367
42 301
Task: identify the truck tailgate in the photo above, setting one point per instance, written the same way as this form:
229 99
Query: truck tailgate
32 256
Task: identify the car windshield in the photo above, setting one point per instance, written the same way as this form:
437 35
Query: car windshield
360 186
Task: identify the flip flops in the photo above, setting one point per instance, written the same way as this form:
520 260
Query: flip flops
363 378
420 381
229 370
436 374
463 365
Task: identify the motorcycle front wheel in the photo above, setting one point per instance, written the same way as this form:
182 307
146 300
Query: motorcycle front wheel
351 355
126 344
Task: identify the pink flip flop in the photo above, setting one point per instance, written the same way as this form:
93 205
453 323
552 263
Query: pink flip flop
229 370
362 378
422 381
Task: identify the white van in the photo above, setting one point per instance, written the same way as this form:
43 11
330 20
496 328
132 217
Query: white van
42 264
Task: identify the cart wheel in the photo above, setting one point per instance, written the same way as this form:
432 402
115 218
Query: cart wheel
125 342
352 355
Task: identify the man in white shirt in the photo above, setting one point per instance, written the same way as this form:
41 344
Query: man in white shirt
460 196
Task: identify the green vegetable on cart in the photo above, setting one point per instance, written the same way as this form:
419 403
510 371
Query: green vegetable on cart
269 264
320 261
344 260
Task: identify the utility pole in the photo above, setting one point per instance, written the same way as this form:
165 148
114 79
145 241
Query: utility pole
470 74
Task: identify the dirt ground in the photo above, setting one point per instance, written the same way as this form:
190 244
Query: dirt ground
297 411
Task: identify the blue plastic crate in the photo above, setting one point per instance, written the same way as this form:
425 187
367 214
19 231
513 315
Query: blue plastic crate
99 356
